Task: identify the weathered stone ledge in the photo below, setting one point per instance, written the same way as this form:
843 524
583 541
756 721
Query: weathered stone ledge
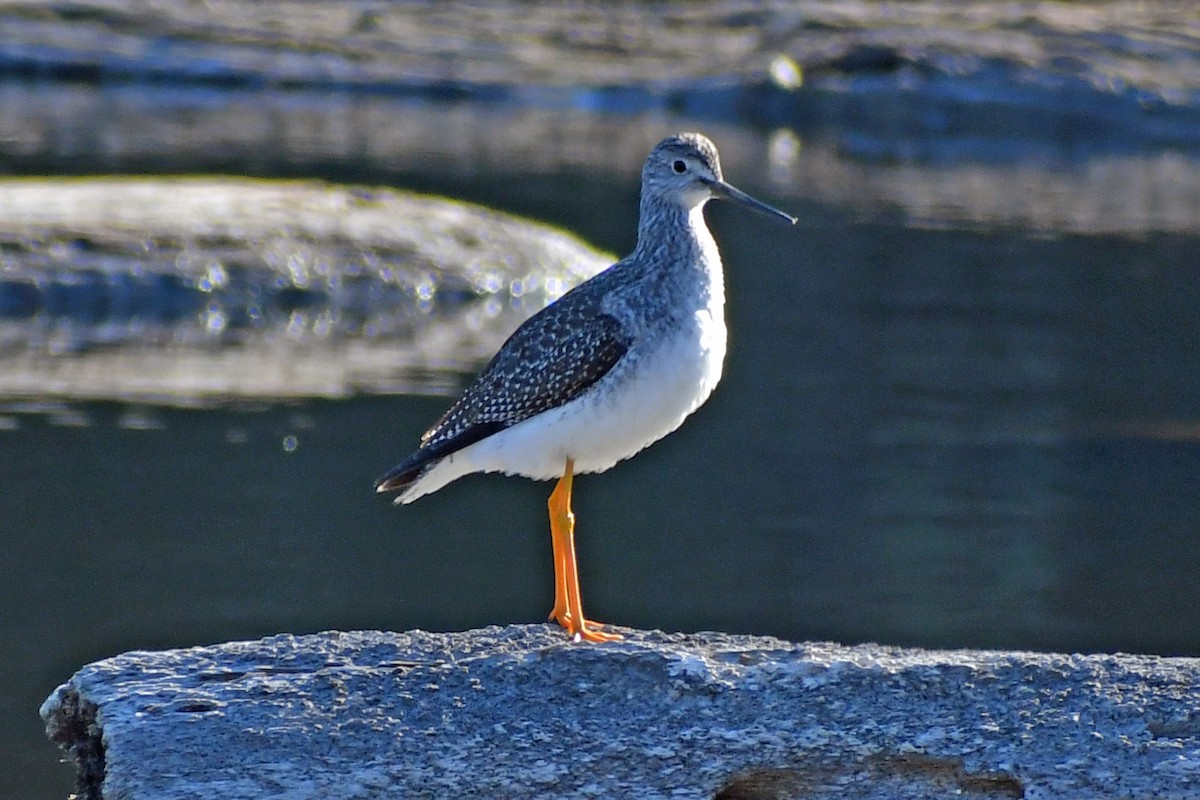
521 712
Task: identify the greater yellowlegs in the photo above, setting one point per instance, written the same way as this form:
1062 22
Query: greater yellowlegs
612 366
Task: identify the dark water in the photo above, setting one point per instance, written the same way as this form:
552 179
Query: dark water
927 437
971 432
941 434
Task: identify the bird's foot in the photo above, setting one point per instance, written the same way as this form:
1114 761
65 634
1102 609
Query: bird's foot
587 630
590 632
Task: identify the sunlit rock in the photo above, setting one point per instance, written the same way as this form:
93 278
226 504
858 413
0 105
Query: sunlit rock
199 289
523 712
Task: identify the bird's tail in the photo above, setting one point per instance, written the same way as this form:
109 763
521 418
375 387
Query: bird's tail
398 481
404 476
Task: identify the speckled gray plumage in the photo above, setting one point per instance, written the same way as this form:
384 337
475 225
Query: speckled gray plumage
553 357
561 352
571 346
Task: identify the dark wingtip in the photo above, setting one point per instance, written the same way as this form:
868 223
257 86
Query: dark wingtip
396 479
401 476
404 474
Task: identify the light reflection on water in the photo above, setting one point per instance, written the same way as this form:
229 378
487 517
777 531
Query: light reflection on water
925 436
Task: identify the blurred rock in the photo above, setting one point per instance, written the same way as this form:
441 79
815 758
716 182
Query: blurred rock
521 712
1071 117
545 51
186 290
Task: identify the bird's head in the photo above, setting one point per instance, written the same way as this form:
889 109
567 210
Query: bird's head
685 170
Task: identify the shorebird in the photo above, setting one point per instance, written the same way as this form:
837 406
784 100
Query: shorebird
612 366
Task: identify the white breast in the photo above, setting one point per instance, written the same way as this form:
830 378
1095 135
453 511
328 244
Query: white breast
663 378
632 407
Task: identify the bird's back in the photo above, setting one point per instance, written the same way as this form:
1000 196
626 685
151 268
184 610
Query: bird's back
547 361
615 364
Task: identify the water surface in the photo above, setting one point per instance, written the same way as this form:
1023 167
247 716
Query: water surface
925 437
961 405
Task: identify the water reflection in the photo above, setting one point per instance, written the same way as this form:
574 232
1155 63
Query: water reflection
960 404
925 437
986 469
1042 172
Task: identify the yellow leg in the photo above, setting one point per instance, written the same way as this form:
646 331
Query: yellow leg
568 606
557 508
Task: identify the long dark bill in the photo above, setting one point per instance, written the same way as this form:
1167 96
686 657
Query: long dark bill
727 192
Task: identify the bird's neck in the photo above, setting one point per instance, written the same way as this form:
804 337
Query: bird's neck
672 235
679 262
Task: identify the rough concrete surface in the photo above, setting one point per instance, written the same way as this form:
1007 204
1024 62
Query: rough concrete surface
522 712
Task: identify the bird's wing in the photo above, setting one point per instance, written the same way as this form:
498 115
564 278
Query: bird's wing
548 361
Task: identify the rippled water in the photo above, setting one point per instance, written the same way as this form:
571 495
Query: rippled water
925 437
961 405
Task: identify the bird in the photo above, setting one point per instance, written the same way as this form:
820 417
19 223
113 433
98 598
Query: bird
610 367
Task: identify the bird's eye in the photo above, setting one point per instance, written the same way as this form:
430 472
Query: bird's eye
679 166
